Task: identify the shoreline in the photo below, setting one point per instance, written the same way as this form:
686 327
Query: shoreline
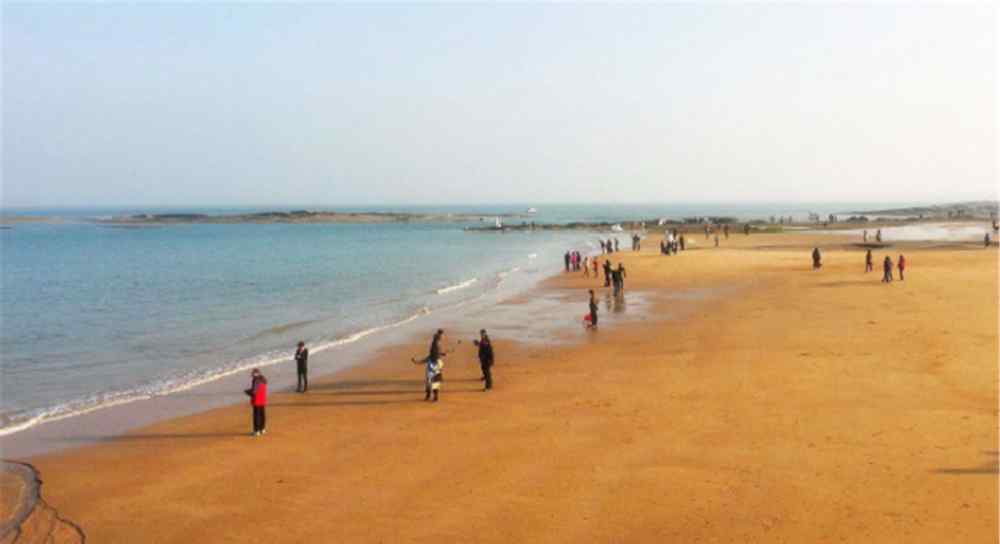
101 422
736 398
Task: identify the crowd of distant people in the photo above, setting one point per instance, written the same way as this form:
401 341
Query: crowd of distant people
613 277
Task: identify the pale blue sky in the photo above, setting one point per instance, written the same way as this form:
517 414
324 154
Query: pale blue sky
184 104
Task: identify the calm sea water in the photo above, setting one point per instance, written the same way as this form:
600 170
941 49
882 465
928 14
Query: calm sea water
95 316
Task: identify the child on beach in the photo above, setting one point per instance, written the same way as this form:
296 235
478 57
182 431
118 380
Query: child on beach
434 362
258 401
433 376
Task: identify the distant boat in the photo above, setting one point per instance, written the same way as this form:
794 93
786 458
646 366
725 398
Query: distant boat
532 210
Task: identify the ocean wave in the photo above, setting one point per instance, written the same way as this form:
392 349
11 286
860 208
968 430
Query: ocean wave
14 422
457 286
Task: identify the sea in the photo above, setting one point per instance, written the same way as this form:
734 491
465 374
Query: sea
93 316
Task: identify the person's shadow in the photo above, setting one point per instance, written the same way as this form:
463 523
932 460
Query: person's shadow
993 467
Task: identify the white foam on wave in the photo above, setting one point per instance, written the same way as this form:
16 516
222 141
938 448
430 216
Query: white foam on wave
457 286
175 384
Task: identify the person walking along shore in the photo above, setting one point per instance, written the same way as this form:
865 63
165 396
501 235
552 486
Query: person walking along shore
887 270
593 310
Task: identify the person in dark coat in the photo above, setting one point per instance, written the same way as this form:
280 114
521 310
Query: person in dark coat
817 259
887 270
485 358
593 310
868 262
302 367
618 275
607 273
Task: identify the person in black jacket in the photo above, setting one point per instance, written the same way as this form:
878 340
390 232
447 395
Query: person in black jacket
302 366
593 310
485 358
607 273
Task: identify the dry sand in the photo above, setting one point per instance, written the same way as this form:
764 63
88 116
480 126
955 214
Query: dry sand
801 406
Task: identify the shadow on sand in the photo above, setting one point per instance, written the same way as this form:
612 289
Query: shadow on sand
137 437
873 282
989 468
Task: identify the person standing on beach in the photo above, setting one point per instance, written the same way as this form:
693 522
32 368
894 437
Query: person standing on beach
566 260
887 270
901 265
586 267
878 236
607 272
593 310
593 264
746 229
602 247
717 239
868 262
258 401
817 259
706 232
682 243
434 364
611 246
725 230
485 358
864 236
616 245
618 278
302 367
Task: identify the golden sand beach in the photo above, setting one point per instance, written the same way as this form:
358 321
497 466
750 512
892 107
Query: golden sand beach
794 406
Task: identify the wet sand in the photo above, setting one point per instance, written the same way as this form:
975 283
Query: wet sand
761 402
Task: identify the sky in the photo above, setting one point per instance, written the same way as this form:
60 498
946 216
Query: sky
325 104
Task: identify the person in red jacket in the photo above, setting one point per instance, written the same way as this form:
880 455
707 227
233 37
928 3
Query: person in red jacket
901 264
258 401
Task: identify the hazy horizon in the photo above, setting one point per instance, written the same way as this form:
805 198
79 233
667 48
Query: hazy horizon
274 105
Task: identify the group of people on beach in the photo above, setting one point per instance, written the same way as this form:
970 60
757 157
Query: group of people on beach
887 265
608 246
434 364
878 236
672 242
573 260
433 375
